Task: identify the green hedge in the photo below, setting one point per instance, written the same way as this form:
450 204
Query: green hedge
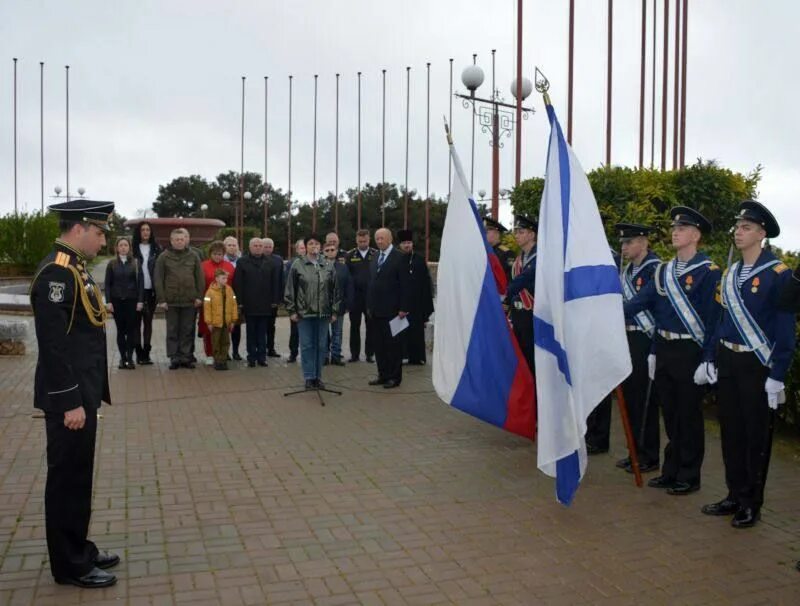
645 196
26 238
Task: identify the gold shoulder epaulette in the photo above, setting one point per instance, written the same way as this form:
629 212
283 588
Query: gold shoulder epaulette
61 259
780 268
503 247
713 267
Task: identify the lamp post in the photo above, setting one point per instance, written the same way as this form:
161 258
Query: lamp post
204 208
495 117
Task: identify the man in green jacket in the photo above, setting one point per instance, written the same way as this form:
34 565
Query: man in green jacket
312 297
179 285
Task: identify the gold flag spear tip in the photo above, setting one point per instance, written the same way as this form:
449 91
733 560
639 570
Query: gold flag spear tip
447 130
542 85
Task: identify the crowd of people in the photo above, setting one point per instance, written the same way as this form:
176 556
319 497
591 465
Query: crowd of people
319 286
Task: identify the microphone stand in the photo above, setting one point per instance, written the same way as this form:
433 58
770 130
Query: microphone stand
316 387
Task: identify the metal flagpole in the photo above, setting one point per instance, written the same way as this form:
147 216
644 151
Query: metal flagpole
472 161
653 86
240 226
266 155
408 113
289 190
450 122
383 151
641 84
15 137
518 171
665 88
41 131
570 71
676 85
336 169
684 44
609 79
358 204
314 166
428 169
66 69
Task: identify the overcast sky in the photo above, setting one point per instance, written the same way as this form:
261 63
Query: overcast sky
155 90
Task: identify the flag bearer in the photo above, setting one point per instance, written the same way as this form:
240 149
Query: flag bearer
523 283
681 298
751 352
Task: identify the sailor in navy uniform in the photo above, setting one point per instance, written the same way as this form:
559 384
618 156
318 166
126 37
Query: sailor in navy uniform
520 292
683 301
494 236
749 357
71 382
640 330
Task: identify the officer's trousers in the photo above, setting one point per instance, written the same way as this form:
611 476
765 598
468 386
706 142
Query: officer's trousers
68 495
645 429
522 321
746 424
682 404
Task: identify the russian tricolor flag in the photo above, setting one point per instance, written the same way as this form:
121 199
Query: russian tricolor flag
477 364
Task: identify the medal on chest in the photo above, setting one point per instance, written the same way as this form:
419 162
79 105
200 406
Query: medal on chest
756 282
689 282
638 283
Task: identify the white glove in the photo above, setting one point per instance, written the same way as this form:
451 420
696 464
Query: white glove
711 373
774 391
700 374
651 367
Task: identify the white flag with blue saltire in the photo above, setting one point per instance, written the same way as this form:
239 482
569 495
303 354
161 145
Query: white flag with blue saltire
579 327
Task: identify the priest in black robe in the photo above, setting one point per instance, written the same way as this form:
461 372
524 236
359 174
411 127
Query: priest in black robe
421 299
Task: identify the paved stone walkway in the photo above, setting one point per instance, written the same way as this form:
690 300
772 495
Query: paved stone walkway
216 489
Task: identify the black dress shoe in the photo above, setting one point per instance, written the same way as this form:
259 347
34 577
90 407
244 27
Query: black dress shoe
391 384
106 560
251 364
189 364
746 517
145 361
131 365
174 365
682 488
273 354
309 383
377 381
645 468
292 359
623 463
725 507
354 359
236 355
661 482
370 359
319 384
591 449
262 363
94 579
337 362
123 365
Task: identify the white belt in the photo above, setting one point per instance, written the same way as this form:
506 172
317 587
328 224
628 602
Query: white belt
633 328
674 336
736 346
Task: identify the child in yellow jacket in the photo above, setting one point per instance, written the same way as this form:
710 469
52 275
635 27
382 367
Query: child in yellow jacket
221 313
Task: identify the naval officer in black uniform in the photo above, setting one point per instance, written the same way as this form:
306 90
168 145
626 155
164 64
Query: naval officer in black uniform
519 295
494 236
71 381
749 357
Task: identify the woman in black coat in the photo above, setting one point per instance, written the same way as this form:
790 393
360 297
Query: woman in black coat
146 250
124 285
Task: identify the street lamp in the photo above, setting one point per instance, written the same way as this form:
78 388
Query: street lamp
204 208
81 191
493 120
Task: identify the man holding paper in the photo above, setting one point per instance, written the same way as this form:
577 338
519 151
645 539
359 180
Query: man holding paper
387 300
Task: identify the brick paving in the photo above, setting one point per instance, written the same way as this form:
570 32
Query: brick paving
216 489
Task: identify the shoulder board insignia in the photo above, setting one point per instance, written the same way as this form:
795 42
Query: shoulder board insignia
713 267
780 268
61 259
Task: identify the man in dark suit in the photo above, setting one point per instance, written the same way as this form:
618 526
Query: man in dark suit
358 262
387 298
